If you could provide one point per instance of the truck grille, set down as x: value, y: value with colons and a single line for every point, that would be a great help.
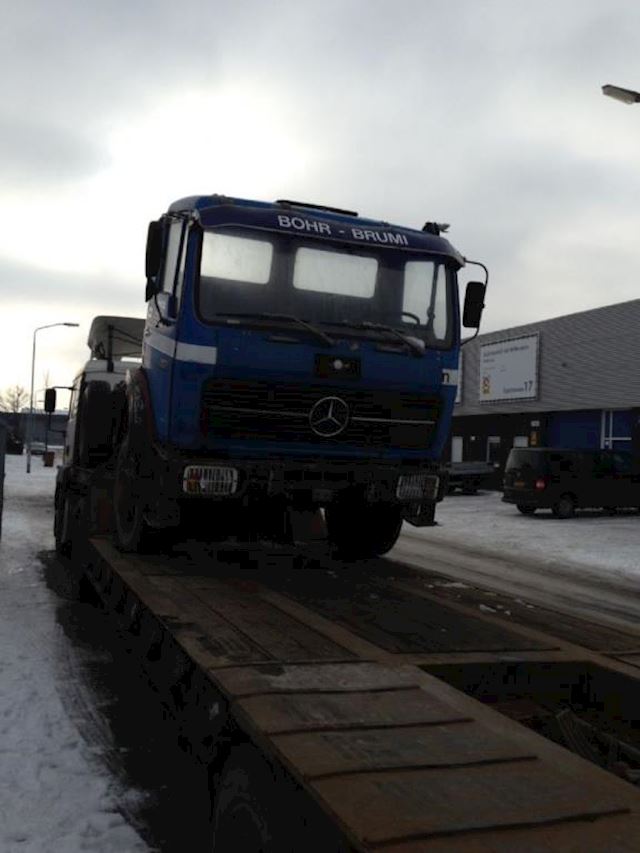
x: 260, y: 410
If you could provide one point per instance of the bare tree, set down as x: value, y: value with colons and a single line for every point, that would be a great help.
x: 13, y: 399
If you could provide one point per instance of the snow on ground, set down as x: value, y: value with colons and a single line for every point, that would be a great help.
x: 55, y: 797
x: 590, y: 542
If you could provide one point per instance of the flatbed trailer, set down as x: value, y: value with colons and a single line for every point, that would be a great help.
x: 352, y: 686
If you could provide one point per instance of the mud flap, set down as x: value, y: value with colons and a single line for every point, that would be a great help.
x: 420, y: 515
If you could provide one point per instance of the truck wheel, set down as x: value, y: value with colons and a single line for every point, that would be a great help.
x: 525, y: 509
x: 358, y: 531
x: 69, y: 581
x: 61, y: 524
x: 132, y: 533
x: 565, y: 507
x: 251, y: 811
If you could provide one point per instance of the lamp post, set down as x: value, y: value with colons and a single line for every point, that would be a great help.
x: 626, y: 96
x: 33, y: 369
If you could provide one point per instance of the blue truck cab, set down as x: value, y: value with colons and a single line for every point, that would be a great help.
x: 296, y: 358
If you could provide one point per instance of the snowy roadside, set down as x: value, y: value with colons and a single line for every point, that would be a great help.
x: 591, y: 542
x: 55, y: 797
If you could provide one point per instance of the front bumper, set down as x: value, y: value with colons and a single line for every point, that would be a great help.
x: 320, y: 481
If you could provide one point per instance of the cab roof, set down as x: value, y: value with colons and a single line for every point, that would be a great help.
x: 116, y: 337
x: 315, y: 221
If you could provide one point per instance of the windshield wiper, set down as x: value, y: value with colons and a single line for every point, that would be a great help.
x: 415, y: 344
x: 288, y: 318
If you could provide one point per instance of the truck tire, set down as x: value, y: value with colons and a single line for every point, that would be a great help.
x: 251, y: 812
x: 359, y: 531
x: 69, y: 581
x: 565, y: 506
x: 131, y: 531
x: 61, y: 524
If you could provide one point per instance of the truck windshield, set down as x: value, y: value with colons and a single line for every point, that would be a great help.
x: 244, y: 272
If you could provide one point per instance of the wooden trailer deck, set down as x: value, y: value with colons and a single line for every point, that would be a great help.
x: 329, y: 670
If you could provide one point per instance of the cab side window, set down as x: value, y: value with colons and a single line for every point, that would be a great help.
x: 171, y: 265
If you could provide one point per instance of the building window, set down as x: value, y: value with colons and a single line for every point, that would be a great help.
x: 616, y: 429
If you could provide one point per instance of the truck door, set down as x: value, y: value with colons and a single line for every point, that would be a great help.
x: 70, y: 432
x: 159, y: 344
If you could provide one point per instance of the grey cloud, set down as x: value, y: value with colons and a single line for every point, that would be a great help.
x: 22, y: 284
x: 32, y: 152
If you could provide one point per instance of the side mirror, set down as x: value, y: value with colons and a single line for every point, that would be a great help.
x: 473, y: 304
x: 50, y: 400
x: 153, y: 257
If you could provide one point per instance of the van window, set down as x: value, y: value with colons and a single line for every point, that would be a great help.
x: 526, y: 460
x: 566, y: 463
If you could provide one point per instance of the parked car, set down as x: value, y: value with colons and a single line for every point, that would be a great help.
x: 471, y: 476
x: 38, y: 448
x: 565, y: 480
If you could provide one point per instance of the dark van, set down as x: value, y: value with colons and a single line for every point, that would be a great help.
x: 565, y: 480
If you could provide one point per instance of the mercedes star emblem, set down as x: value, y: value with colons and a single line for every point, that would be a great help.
x: 329, y: 416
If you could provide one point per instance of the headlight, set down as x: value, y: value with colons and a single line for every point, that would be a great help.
x: 214, y: 480
x: 417, y: 487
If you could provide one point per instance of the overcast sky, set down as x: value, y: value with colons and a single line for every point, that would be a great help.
x: 487, y: 115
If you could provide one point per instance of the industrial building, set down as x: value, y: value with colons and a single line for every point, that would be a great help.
x: 572, y: 381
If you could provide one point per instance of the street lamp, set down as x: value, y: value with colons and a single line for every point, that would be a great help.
x: 33, y: 368
x: 627, y: 96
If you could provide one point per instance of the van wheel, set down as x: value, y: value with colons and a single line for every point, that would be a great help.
x: 525, y: 509
x: 565, y: 507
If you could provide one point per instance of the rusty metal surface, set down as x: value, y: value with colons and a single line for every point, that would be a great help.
x: 400, y: 760
x: 319, y: 754
x: 423, y: 803
x: 612, y: 834
x: 298, y: 712
x: 276, y: 678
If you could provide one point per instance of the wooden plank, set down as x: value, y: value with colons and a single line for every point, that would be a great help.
x: 280, y: 635
x: 612, y: 833
x: 327, y: 677
x: 317, y: 754
x: 215, y: 640
x: 275, y: 714
x: 425, y: 803
x: 398, y: 621
x: 226, y: 649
